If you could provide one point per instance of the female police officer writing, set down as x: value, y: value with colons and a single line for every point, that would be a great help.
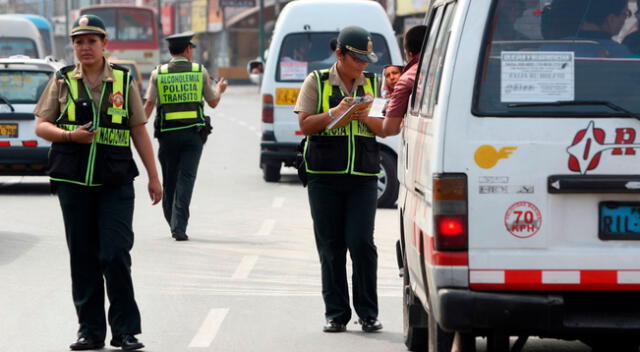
x: 342, y: 165
x: 90, y: 112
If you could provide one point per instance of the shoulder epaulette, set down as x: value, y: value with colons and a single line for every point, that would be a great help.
x: 119, y: 67
x: 63, y: 71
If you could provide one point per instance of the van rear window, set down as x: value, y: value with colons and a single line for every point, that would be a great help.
x: 565, y: 58
x: 302, y: 53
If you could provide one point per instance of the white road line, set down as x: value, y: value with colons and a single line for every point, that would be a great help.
x: 244, y: 268
x: 209, y: 328
x: 266, y: 228
x: 277, y: 202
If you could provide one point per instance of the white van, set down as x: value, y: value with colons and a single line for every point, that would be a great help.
x: 300, y: 45
x: 519, y: 202
x: 19, y: 36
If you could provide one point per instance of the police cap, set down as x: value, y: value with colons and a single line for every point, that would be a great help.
x: 180, y: 41
x: 88, y: 24
x: 358, y: 41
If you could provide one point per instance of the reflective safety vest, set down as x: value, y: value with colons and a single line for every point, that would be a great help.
x: 108, y: 159
x: 180, y: 87
x: 351, y: 149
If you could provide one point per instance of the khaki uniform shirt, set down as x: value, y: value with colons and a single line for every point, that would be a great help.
x: 308, y: 97
x: 208, y: 93
x: 54, y: 97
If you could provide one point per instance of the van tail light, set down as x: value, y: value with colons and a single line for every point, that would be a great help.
x: 29, y: 143
x: 5, y: 144
x: 267, y: 108
x: 450, y: 212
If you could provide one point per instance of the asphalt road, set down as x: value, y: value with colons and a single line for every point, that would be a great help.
x: 248, y: 280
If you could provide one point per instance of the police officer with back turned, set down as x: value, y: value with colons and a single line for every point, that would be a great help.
x: 342, y: 166
x: 179, y: 88
x: 91, y: 111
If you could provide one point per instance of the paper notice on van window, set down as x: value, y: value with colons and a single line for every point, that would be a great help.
x: 293, y: 70
x: 537, y: 77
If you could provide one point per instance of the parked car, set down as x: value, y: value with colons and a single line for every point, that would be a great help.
x: 519, y: 203
x: 300, y: 45
x: 22, y: 81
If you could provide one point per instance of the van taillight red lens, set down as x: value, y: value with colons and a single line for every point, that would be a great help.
x: 30, y: 143
x: 450, y: 212
x: 451, y: 232
x: 5, y: 144
x: 267, y: 108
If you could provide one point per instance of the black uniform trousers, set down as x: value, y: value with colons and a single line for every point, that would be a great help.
x: 179, y: 155
x: 98, y: 226
x: 343, y: 209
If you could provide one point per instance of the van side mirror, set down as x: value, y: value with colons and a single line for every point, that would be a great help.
x: 255, y: 69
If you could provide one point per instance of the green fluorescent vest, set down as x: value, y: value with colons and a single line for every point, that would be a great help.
x: 108, y: 159
x: 180, y: 87
x: 351, y: 149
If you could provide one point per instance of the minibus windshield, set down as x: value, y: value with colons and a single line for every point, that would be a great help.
x: 537, y: 54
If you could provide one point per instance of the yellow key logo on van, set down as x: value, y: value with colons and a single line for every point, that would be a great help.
x: 487, y: 156
x: 287, y: 96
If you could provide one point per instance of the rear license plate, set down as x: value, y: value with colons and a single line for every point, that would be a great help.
x: 619, y: 221
x: 9, y: 130
x: 287, y: 96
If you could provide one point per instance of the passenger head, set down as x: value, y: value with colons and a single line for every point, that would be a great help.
x: 607, y: 15
x: 413, y: 41
x: 391, y: 75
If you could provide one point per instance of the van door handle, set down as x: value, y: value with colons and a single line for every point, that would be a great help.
x: 419, y: 191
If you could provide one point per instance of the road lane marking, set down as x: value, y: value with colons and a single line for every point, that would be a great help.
x: 266, y: 228
x: 278, y: 202
x: 244, y: 268
x: 209, y: 328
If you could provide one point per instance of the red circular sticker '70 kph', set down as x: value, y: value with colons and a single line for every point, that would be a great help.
x: 523, y: 219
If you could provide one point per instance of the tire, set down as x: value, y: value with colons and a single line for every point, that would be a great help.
x: 497, y: 342
x: 414, y: 318
x: 271, y: 172
x: 616, y: 343
x: 388, y: 184
x: 439, y: 340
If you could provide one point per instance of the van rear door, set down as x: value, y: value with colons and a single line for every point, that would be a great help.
x: 551, y: 149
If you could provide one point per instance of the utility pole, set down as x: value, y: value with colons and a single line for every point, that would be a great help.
x: 261, y: 31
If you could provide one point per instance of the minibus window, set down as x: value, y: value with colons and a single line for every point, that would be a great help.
x: 302, y: 53
x: 432, y: 83
x: 566, y: 51
x: 426, y: 58
x: 17, y: 46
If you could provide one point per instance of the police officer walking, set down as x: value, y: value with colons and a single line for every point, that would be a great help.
x: 179, y: 88
x: 342, y: 166
x: 91, y: 111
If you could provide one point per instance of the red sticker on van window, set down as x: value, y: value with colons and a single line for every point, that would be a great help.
x: 523, y: 219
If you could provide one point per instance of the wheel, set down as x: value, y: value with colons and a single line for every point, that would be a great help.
x: 439, y: 340
x: 497, y: 342
x: 271, y: 172
x: 464, y: 342
x: 414, y: 318
x: 616, y: 343
x: 387, y: 180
